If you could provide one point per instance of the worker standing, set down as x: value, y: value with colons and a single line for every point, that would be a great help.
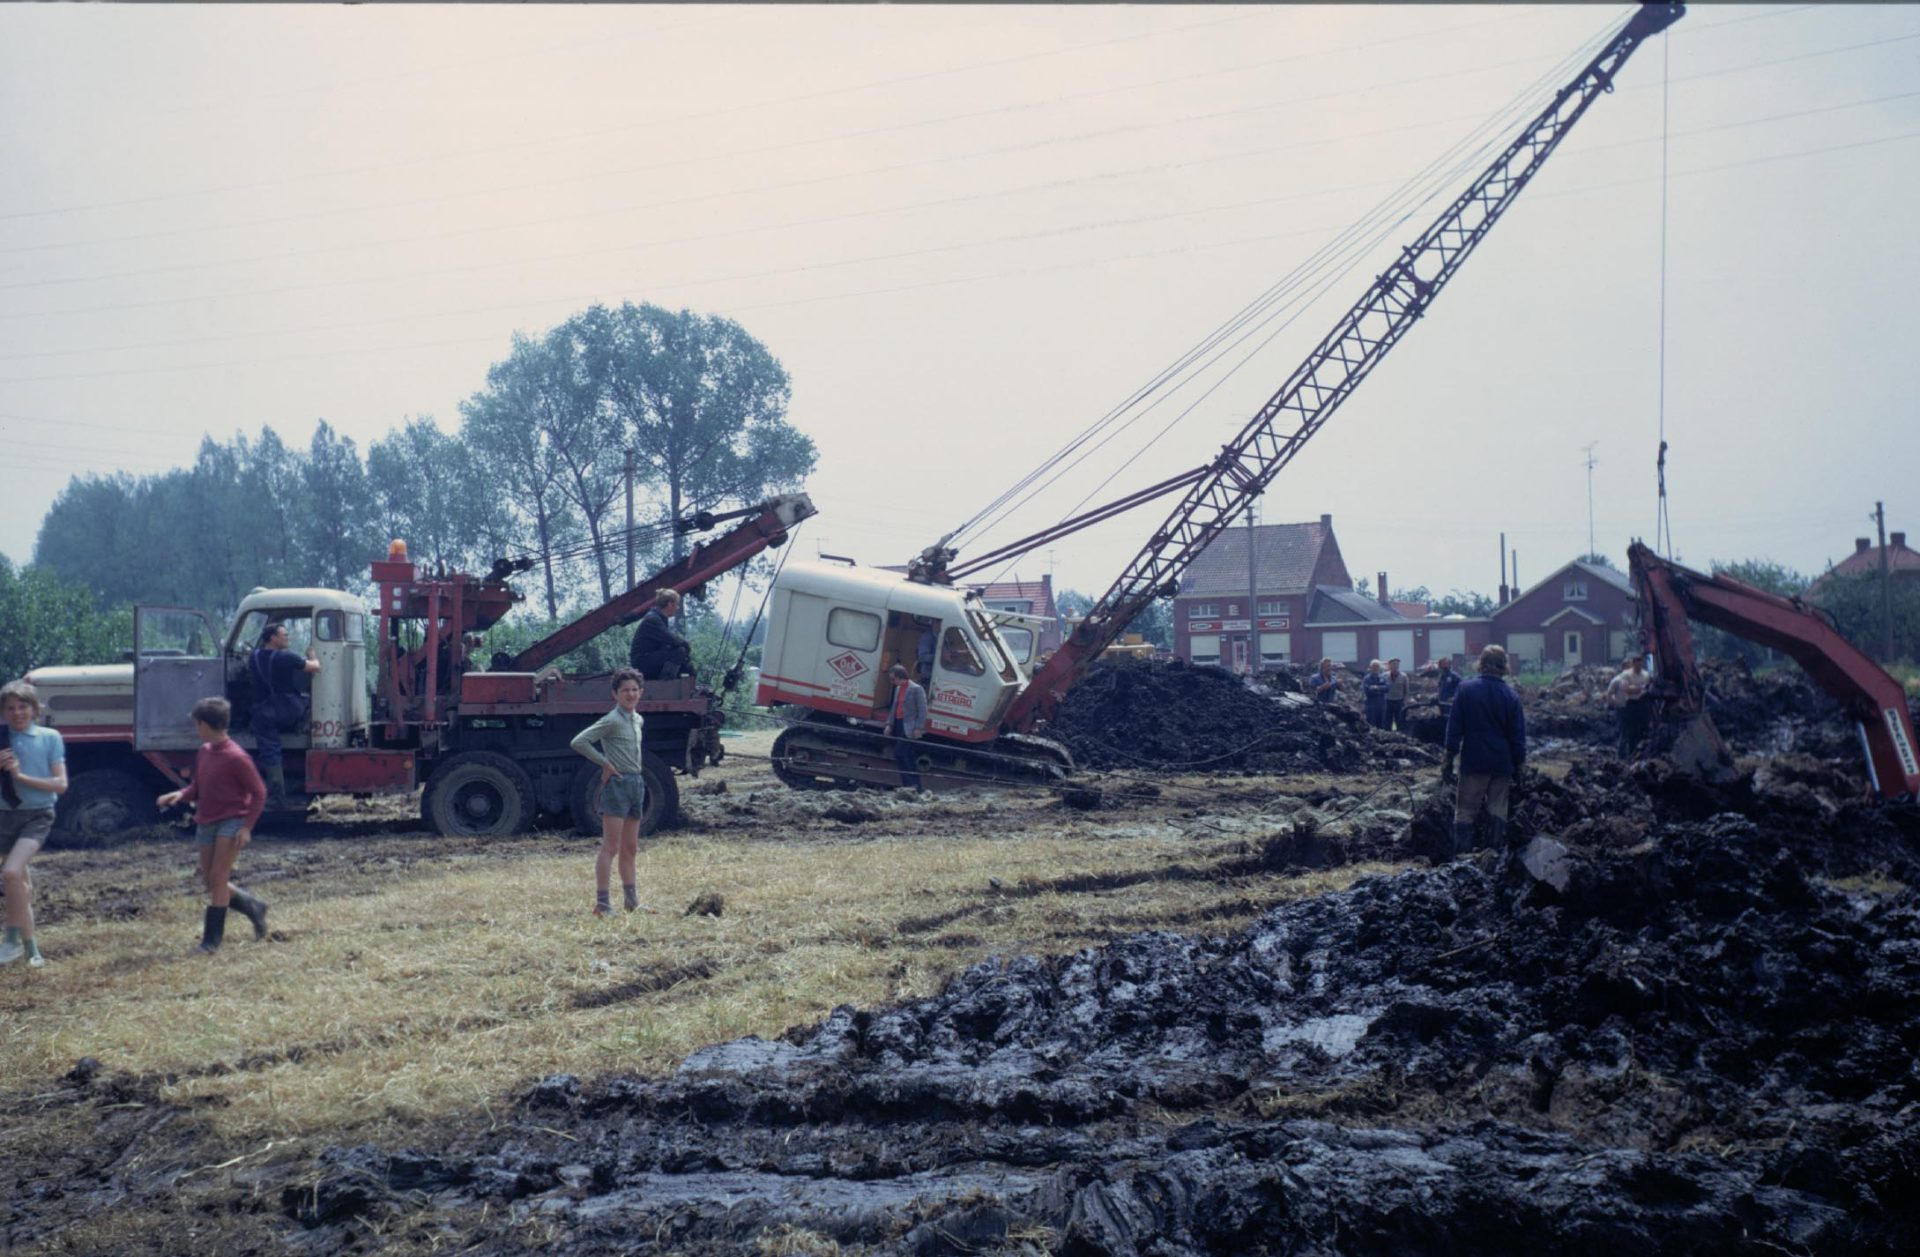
x: 1326, y: 686
x: 1399, y: 690
x: 1487, y: 730
x: 1448, y: 685
x: 1374, y: 687
x: 1629, y: 694
x: 278, y: 705
x: 659, y: 653
x: 906, y: 721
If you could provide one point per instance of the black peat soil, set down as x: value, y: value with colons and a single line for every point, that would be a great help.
x: 1703, y: 1043
x: 1179, y: 717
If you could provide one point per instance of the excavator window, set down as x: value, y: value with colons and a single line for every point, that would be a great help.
x: 957, y: 655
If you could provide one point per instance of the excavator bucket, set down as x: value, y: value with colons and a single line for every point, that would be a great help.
x: 1693, y: 744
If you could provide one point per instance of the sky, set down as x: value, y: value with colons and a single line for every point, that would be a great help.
x: 970, y: 232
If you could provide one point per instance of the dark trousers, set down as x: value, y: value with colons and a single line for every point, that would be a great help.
x: 1635, y: 716
x: 1395, y: 706
x: 905, y: 756
x: 1377, y: 712
x: 277, y: 715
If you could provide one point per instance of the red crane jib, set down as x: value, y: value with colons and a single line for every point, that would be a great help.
x: 1672, y: 596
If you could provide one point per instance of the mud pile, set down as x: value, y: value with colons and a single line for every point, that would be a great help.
x: 1204, y: 719
x: 1704, y: 1043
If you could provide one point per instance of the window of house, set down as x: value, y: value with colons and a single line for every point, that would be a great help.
x: 1340, y: 647
x: 856, y: 630
x: 1273, y: 606
x: 1275, y: 647
x: 1204, y: 648
x: 1202, y: 610
x: 1575, y: 591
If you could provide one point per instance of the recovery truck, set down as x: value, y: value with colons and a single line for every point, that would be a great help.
x: 833, y: 631
x: 1671, y: 597
x: 490, y: 746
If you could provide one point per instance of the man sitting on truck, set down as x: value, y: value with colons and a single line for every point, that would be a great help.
x: 659, y: 653
x: 278, y: 707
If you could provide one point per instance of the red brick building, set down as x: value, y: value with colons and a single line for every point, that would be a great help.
x: 1031, y: 597
x: 1581, y: 613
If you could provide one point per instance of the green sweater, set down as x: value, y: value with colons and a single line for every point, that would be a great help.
x: 618, y: 738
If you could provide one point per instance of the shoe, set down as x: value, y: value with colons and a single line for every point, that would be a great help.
x: 214, y: 930
x: 207, y: 949
x: 10, y: 952
x: 36, y: 961
x: 601, y: 913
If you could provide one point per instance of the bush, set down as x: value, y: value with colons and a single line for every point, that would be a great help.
x: 44, y: 622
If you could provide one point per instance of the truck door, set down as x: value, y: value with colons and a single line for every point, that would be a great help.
x: 176, y: 663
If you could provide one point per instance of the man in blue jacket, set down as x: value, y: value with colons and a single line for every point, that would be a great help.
x: 1488, y: 732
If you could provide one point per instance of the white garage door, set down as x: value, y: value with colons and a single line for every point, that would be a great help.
x: 1275, y: 647
x: 1340, y: 647
x: 1451, y: 641
x: 1397, y: 644
x: 1527, y: 647
x: 1204, y: 648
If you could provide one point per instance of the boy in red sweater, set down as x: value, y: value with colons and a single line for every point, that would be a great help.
x: 228, y: 796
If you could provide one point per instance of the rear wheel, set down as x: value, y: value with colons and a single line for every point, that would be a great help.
x: 479, y: 794
x: 663, y: 796
x: 100, y: 804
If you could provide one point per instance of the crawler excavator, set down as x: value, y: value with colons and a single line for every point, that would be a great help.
x: 1672, y: 597
x: 833, y: 631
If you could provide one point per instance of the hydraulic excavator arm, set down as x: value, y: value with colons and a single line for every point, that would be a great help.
x: 1672, y: 597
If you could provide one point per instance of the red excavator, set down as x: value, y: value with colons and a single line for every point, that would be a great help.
x: 1672, y: 597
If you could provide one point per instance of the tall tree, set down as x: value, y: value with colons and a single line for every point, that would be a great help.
x: 337, y: 524
x: 702, y: 401
x: 428, y: 488
x: 516, y: 450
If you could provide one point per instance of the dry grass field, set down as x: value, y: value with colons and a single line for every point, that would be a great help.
x: 410, y: 978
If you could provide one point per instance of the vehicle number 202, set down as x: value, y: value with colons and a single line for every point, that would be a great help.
x: 329, y: 728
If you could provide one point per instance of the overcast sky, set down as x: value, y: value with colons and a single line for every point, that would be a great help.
x: 969, y: 232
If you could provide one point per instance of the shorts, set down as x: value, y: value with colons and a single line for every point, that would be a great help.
x: 219, y: 829
x: 25, y: 824
x: 625, y: 797
x: 1478, y: 788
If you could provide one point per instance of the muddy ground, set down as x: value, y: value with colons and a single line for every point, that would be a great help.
x: 1672, y: 1018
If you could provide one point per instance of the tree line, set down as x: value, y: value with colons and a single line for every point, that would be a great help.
x: 537, y: 469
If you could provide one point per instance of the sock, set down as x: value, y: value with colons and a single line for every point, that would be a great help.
x: 631, y: 894
x: 600, y: 901
x: 12, y: 935
x: 33, y: 950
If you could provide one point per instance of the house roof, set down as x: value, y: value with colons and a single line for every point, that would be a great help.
x: 1284, y: 558
x: 1333, y: 605
x: 1037, y: 592
x: 1411, y: 610
x: 1606, y: 575
x: 1900, y: 558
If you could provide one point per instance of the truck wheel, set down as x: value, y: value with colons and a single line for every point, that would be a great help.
x: 663, y: 796
x: 100, y: 804
x: 478, y: 794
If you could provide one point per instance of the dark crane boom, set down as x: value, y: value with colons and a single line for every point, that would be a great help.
x: 1359, y: 340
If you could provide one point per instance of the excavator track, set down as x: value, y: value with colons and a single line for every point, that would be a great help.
x: 819, y: 755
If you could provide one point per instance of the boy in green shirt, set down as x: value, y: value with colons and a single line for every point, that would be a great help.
x: 613, y: 742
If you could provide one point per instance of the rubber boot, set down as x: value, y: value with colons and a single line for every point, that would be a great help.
x: 252, y: 907
x: 1497, y: 836
x: 275, y: 775
x: 214, y: 930
x: 1462, y: 839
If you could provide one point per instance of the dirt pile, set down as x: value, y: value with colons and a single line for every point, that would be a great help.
x: 1205, y: 719
x: 1703, y: 1043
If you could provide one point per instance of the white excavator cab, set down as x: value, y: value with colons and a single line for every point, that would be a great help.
x: 834, y: 631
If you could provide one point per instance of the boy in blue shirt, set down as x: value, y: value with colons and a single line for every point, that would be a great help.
x: 34, y: 766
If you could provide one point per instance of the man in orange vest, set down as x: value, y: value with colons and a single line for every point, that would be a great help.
x: 906, y: 721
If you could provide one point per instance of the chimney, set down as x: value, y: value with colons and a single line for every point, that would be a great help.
x: 1862, y: 544
x: 1503, y: 570
x: 1899, y: 540
x: 1383, y: 589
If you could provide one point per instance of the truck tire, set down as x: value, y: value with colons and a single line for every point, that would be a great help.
x: 478, y: 794
x: 663, y: 796
x: 99, y: 805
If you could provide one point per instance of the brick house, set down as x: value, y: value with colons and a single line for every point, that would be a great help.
x: 1222, y: 598
x: 1903, y: 562
x: 1031, y: 597
x: 1581, y: 613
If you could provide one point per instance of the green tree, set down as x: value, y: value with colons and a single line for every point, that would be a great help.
x: 1462, y: 602
x: 703, y: 403
x: 46, y: 621
x: 1854, y: 603
x: 1774, y: 578
x: 428, y: 489
x: 338, y: 531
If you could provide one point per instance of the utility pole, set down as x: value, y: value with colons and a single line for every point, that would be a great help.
x: 1253, y: 595
x: 630, y: 579
x: 1886, y: 586
x: 1591, y: 463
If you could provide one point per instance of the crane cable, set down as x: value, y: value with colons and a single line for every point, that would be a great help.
x: 1295, y: 291
x: 1663, y: 524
